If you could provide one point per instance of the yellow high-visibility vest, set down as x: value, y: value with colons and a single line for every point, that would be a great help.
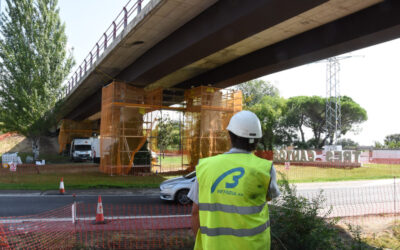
x: 233, y: 205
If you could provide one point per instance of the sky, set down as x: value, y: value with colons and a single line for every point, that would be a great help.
x: 371, y: 78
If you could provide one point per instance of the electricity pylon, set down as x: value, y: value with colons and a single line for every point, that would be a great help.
x: 333, y: 106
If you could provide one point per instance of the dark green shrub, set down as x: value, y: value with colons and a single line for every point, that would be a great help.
x: 296, y: 222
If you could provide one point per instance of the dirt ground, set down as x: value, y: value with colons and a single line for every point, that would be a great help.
x: 380, y: 231
x: 371, y: 224
x: 19, y: 143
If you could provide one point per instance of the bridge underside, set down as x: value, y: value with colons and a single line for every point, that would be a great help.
x: 233, y: 41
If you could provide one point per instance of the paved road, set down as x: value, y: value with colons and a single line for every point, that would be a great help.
x: 352, y: 198
x: 346, y: 198
x: 31, y: 203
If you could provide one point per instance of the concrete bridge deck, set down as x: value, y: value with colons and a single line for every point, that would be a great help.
x: 179, y: 44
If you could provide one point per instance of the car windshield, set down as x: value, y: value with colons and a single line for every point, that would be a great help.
x: 190, y: 175
x: 83, y: 147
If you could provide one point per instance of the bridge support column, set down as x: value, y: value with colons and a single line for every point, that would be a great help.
x: 126, y: 122
x: 208, y: 113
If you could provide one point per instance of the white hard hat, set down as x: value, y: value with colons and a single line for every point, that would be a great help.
x: 245, y: 124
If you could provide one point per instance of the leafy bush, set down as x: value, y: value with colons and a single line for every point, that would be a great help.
x: 297, y: 224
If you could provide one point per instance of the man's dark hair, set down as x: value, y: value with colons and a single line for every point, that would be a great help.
x: 242, y: 143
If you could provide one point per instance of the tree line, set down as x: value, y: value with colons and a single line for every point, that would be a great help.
x: 391, y: 141
x: 285, y: 121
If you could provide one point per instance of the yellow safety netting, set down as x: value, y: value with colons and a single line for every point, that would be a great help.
x: 208, y: 111
x: 75, y: 129
x: 128, y: 119
x: 126, y: 122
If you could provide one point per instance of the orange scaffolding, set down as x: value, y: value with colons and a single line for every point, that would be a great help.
x: 73, y: 129
x: 128, y: 119
x: 126, y: 122
x: 208, y: 111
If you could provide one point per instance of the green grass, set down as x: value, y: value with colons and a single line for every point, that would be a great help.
x: 76, y: 181
x: 316, y: 174
x: 172, y: 160
x: 76, y: 177
x: 88, y: 176
x: 171, y: 163
x: 50, y: 158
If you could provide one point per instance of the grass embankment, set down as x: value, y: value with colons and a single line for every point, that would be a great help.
x: 317, y: 174
x: 87, y: 176
x: 76, y: 176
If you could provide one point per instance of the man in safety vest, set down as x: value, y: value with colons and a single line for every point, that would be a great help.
x: 230, y: 194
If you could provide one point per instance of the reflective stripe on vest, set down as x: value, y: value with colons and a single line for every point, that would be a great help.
x: 230, y: 208
x: 234, y: 232
x: 232, y: 202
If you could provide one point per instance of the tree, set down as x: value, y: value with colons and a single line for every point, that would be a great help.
x: 378, y: 145
x: 309, y: 111
x: 296, y: 115
x: 352, y: 114
x: 168, y: 133
x: 393, y: 145
x: 271, y: 111
x: 393, y: 138
x: 263, y: 99
x: 315, y: 119
x: 33, y: 66
x: 391, y: 141
x: 253, y: 91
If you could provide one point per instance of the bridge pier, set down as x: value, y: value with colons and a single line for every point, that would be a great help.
x: 208, y: 112
x: 129, y: 116
x: 126, y: 123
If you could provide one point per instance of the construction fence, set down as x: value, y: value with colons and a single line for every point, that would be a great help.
x: 167, y: 226
x: 125, y: 227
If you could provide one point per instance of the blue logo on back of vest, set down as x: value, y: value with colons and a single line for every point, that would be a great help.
x: 235, y: 178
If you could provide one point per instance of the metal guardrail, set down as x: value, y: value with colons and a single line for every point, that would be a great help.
x: 117, y: 26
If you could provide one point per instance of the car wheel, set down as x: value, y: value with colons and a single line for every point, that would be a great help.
x: 182, y: 198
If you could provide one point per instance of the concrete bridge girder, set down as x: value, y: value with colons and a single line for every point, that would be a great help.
x: 228, y: 42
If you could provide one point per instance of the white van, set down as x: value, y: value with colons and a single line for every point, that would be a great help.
x: 81, y: 149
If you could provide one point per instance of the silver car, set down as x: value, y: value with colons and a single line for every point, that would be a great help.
x: 177, y: 188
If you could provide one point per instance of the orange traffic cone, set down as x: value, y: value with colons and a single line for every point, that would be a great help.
x: 99, y: 214
x: 3, y: 239
x: 62, y: 190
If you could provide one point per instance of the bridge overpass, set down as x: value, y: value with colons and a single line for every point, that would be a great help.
x: 183, y: 43
x: 156, y: 49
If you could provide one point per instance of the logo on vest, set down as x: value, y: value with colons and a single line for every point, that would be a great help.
x: 238, y: 173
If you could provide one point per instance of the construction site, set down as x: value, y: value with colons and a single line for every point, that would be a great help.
x: 131, y: 130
